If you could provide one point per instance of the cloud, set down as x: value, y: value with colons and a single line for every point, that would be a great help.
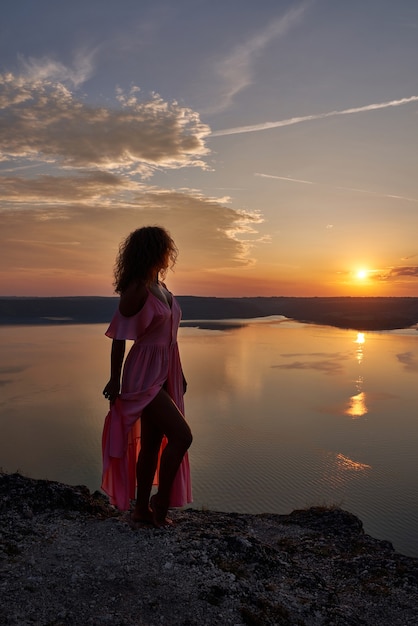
x: 236, y: 70
x: 218, y: 234
x: 61, y: 230
x: 89, y: 187
x: 47, y: 69
x: 309, y: 118
x: 42, y: 120
x: 66, y: 243
x: 393, y: 273
x: 404, y: 271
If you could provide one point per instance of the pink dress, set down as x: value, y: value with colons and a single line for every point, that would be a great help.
x: 152, y: 361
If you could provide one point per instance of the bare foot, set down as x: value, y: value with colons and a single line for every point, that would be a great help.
x: 141, y: 519
x: 159, y: 513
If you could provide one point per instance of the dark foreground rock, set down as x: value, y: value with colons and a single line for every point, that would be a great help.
x: 68, y: 558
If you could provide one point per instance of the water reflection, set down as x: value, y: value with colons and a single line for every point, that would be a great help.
x: 409, y: 360
x: 344, y: 463
x: 342, y: 473
x: 357, y: 403
x: 265, y: 403
x: 360, y: 341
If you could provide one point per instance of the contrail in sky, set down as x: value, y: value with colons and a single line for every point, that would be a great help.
x: 308, y: 118
x: 311, y: 182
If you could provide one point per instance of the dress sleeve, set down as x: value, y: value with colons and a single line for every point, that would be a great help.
x: 133, y: 327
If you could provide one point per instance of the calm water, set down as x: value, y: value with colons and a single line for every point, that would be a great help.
x: 284, y: 416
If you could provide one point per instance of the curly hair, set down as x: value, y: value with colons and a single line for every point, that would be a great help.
x: 145, y: 251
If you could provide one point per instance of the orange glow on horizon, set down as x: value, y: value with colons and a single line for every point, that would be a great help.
x: 244, y: 282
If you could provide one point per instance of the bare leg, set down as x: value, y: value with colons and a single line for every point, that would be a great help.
x: 163, y: 417
x: 146, y: 466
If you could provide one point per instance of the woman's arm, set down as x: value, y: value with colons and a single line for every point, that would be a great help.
x: 111, y: 391
x: 133, y: 299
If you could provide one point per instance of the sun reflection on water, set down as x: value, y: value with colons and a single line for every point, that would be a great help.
x: 345, y: 463
x: 356, y: 406
x: 360, y: 341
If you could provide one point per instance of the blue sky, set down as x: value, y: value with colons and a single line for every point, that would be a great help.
x: 275, y: 140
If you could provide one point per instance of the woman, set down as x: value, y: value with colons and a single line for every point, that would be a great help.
x: 145, y: 436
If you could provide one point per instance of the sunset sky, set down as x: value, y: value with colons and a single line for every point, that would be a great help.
x: 276, y: 140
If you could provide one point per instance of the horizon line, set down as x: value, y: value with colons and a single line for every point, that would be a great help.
x: 189, y: 295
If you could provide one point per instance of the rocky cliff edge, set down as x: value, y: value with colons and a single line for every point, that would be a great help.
x: 69, y: 559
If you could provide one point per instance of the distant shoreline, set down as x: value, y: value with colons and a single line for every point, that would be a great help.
x: 383, y: 313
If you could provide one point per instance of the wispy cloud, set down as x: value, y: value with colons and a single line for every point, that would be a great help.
x: 46, y: 68
x: 286, y: 178
x: 236, y: 70
x: 309, y: 118
x: 355, y: 189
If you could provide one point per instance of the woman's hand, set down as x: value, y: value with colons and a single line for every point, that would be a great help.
x: 111, y: 391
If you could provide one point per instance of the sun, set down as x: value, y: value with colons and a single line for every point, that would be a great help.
x: 362, y: 274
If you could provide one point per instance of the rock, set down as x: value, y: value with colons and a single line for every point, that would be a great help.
x: 68, y: 558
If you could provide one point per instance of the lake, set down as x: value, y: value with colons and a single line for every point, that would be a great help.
x: 284, y: 415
